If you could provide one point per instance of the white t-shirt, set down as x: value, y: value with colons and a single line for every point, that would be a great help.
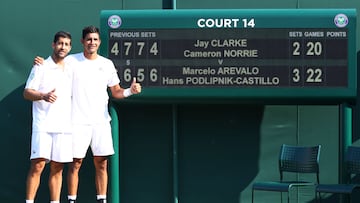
x: 90, y: 83
x: 51, y: 117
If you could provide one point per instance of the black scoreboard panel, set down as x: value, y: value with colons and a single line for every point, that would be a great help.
x: 287, y: 53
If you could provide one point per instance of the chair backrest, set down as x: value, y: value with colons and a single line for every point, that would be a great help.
x: 352, y: 161
x: 299, y: 159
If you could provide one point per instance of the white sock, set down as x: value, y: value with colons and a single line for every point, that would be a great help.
x: 71, y: 197
x: 100, y: 197
x: 54, y: 201
x: 29, y: 201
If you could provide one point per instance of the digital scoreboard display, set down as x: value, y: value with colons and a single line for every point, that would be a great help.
x: 239, y: 54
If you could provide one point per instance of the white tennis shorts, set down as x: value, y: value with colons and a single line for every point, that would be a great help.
x: 52, y: 146
x: 97, y: 136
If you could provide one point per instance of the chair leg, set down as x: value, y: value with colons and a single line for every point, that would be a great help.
x: 349, y: 198
x: 318, y: 197
x: 252, y: 196
x: 288, y: 197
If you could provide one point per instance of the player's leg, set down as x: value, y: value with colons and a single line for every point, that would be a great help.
x: 33, y: 177
x: 61, y: 154
x: 81, y: 142
x: 55, y: 180
x: 40, y: 154
x: 101, y: 176
x: 102, y: 147
x: 73, y: 179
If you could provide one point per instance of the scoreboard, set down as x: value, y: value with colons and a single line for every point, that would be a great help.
x: 234, y: 53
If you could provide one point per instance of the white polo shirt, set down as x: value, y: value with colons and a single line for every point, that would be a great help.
x: 91, y: 81
x: 51, y: 117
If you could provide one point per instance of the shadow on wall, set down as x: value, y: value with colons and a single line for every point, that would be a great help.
x: 15, y: 125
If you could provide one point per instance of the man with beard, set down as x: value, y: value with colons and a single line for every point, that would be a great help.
x: 49, y: 87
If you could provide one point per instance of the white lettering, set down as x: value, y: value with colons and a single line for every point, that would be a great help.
x: 218, y: 23
x: 335, y: 34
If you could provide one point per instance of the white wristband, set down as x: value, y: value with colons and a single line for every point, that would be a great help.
x: 127, y: 92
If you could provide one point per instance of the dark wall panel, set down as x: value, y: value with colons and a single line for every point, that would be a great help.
x: 145, y: 148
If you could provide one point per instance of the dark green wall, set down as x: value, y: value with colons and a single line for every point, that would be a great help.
x: 221, y: 148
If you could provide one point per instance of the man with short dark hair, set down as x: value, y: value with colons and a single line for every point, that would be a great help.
x: 49, y: 87
x: 93, y: 74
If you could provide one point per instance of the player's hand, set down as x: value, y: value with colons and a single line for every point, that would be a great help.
x: 135, y: 87
x: 50, y: 96
x: 38, y: 60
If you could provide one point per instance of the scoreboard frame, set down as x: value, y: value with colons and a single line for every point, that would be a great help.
x: 246, y: 32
